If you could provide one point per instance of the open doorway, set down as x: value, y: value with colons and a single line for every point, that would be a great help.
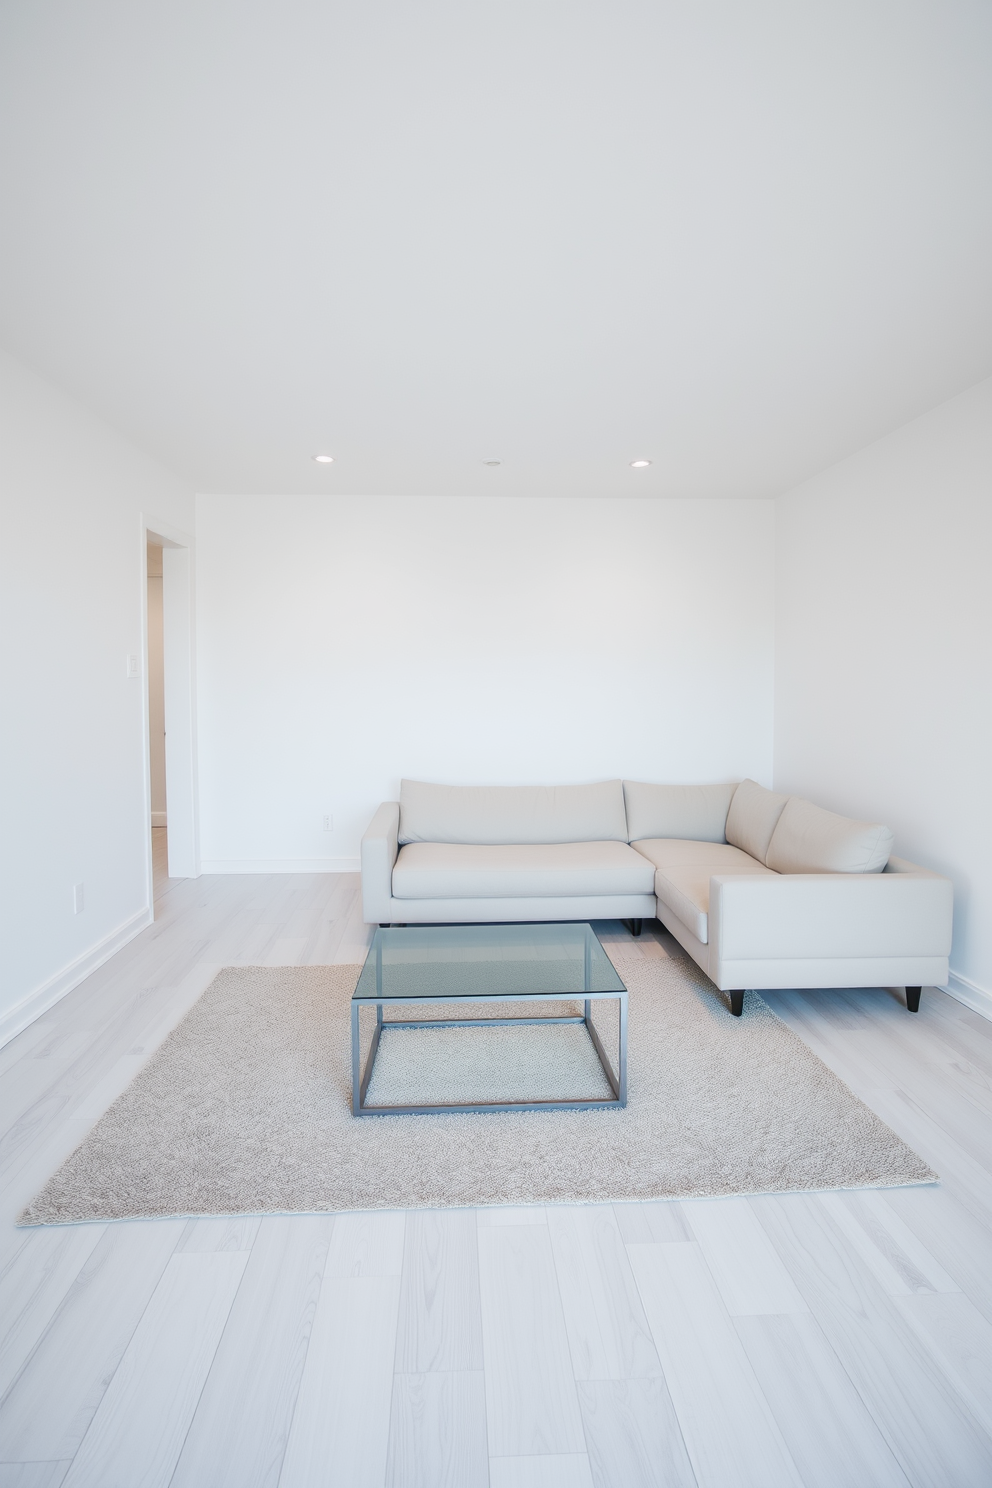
x: 156, y: 724
x: 173, y: 836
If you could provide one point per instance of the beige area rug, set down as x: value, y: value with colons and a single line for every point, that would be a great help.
x: 245, y: 1110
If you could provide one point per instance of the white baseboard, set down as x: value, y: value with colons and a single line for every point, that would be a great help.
x: 281, y: 865
x: 49, y: 993
x: 979, y: 999
x: 159, y: 819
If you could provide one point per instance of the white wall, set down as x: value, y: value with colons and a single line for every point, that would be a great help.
x: 73, y: 765
x: 345, y: 642
x: 884, y: 652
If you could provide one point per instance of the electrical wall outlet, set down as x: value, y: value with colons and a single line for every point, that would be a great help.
x: 77, y: 898
x: 328, y: 824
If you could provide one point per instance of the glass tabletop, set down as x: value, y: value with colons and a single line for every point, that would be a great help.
x: 451, y: 961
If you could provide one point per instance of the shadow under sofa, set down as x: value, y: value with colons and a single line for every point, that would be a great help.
x: 763, y: 890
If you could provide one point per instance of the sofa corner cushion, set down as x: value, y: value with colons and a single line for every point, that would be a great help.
x: 695, y: 813
x: 808, y: 839
x: 451, y: 870
x: 753, y: 817
x: 497, y: 815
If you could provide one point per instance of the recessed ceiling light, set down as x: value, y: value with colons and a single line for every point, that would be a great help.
x: 324, y: 459
x: 640, y: 464
x: 491, y: 462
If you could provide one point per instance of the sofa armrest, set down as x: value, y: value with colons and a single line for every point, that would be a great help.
x: 830, y: 915
x: 379, y: 849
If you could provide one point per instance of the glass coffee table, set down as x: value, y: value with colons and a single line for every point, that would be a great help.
x: 419, y: 965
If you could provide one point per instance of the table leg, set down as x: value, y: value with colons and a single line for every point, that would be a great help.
x: 356, y: 1065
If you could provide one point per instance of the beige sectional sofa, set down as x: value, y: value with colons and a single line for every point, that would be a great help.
x: 762, y: 889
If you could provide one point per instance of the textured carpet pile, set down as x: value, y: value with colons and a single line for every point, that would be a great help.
x: 245, y: 1109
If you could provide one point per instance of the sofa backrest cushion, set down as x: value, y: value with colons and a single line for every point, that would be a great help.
x: 690, y: 813
x: 482, y: 815
x: 753, y: 817
x: 808, y: 839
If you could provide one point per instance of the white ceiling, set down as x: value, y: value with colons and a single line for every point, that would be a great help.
x: 739, y: 239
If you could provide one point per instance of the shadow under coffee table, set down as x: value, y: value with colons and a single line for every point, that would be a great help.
x: 459, y: 964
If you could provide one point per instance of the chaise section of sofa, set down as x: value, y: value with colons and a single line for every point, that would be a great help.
x: 781, y: 893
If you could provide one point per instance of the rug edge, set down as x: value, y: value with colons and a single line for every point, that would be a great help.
x: 23, y: 1222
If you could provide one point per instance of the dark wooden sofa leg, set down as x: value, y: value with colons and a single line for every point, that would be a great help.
x: 634, y: 926
x: 737, y: 1003
x: 913, y: 998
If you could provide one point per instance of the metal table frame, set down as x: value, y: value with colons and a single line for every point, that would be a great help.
x: 360, y: 1079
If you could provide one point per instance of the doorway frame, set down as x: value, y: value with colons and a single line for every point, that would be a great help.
x: 179, y: 669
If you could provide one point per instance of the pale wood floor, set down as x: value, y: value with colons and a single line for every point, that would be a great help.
x: 828, y: 1340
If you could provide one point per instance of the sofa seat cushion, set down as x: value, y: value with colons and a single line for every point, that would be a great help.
x: 684, y: 870
x: 447, y: 870
x: 673, y: 852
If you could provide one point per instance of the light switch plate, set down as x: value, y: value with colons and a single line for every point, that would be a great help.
x: 133, y: 669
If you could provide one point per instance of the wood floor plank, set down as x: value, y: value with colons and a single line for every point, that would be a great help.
x: 943, y: 1048
x: 437, y: 1433
x: 32, y: 1474
x: 961, y: 1337
x: 644, y: 1222
x: 342, y: 1410
x: 746, y: 1267
x: 330, y: 927
x: 730, y: 1434
x: 285, y: 952
x: 367, y: 1244
x: 230, y: 1232
x: 531, y: 1401
x: 960, y: 1088
x: 141, y: 1423
x: 512, y: 1214
x: 241, y: 1427
x: 929, y: 1429
x: 633, y: 1435
x: 968, y: 1180
x: 951, y: 1232
x: 48, y: 1409
x: 608, y: 1334
x: 899, y: 1261
x: 33, y: 1286
x: 25, y: 1080
x: 46, y: 1152
x: 570, y: 1470
x: 440, y: 1321
x: 828, y: 1429
x: 22, y: 1047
